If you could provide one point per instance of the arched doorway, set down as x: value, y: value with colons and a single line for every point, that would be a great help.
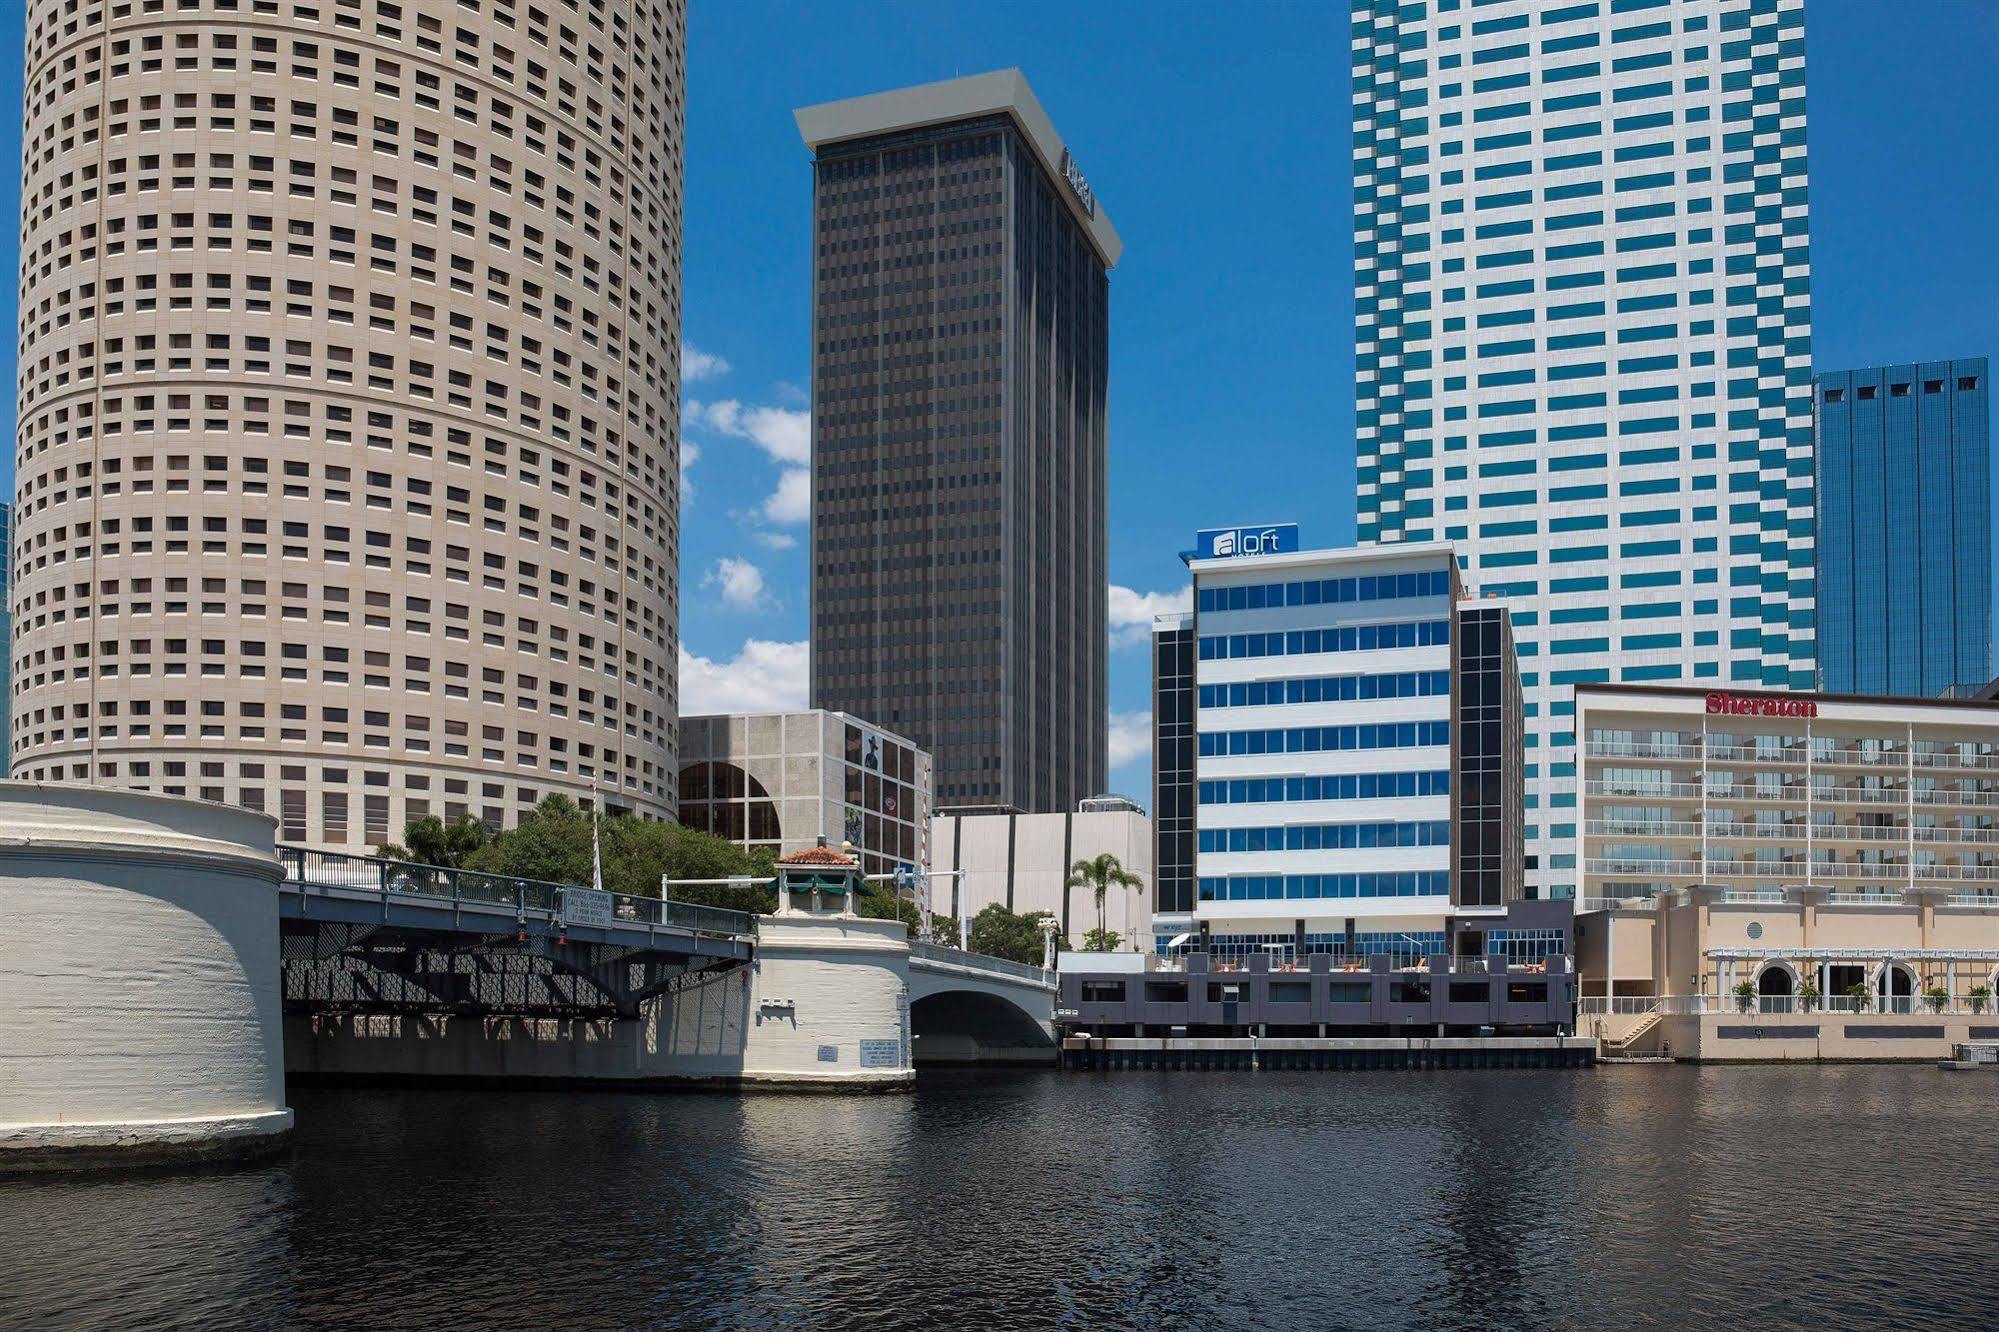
x: 1776, y: 987
x: 1895, y: 988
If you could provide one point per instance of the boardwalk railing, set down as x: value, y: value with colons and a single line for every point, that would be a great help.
x: 1001, y: 966
x: 374, y: 874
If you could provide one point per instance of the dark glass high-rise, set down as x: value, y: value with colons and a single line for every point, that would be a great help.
x: 960, y: 359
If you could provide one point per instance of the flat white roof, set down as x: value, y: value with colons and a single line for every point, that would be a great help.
x: 1001, y: 91
x: 1298, y: 559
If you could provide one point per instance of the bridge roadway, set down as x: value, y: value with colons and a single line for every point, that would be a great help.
x: 367, y: 935
x: 361, y: 934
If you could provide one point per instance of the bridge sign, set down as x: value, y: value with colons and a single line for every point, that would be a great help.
x: 881, y: 1054
x: 586, y: 906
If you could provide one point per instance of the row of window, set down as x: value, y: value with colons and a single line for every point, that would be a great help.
x: 1327, y: 689
x: 1344, y: 786
x: 1291, y: 887
x: 1322, y: 739
x: 1352, y: 638
x: 1325, y: 591
x: 1367, y: 943
x: 1329, y: 836
x: 1868, y: 392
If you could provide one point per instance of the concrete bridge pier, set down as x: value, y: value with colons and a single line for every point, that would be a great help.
x: 138, y: 979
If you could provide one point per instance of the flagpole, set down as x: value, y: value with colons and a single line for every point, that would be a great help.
x: 596, y: 851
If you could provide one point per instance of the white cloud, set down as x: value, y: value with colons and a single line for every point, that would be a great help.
x: 785, y: 435
x: 690, y: 453
x: 791, y: 502
x: 762, y: 677
x: 1130, y: 737
x: 1130, y: 613
x: 741, y: 583
x: 696, y: 364
x: 777, y: 540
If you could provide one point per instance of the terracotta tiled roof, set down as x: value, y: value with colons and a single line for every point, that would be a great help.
x: 818, y: 855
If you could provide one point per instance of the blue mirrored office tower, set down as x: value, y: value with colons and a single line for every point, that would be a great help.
x: 1904, y: 528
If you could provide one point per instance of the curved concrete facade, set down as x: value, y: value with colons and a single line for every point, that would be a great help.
x: 139, y: 976
x: 348, y: 428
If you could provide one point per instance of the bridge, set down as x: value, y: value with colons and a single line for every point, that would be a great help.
x: 970, y: 1008
x: 361, y: 934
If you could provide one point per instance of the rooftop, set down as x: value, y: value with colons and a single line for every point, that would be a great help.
x: 1001, y: 91
x: 818, y: 855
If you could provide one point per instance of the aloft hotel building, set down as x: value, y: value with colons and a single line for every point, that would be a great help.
x: 1355, y: 787
x: 1582, y: 281
x: 348, y: 406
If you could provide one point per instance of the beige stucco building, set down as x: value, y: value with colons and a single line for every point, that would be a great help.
x: 347, y: 455
x: 1839, y: 856
x: 1022, y: 861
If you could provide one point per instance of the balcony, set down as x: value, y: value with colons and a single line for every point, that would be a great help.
x: 1794, y: 754
x: 1728, y: 1005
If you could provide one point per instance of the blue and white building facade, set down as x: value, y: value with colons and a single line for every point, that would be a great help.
x: 1582, y: 282
x: 1324, y: 696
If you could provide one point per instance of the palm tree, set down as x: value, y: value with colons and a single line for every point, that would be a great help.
x: 430, y: 841
x: 1098, y: 874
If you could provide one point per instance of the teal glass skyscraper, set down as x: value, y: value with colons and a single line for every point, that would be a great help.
x: 1582, y: 284
x: 1905, y: 528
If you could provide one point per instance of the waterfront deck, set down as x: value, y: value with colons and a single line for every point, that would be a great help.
x: 1332, y: 1053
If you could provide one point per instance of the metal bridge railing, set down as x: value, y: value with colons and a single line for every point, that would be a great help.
x: 958, y: 957
x: 335, y: 869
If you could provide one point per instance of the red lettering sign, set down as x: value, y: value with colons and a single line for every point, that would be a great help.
x: 1761, y: 705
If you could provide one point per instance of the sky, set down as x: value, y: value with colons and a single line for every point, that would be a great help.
x: 1217, y: 139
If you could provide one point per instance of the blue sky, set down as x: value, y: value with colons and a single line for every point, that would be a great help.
x: 1217, y: 139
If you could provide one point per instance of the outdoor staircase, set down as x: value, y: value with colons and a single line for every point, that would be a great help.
x: 1625, y: 1046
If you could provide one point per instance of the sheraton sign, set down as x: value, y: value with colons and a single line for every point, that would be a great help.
x: 1761, y: 705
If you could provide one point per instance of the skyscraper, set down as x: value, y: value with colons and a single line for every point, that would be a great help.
x: 348, y: 407
x: 6, y: 624
x: 1583, y: 343
x: 960, y: 352
x: 1905, y: 528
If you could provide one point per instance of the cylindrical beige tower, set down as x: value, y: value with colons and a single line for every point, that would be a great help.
x: 139, y: 975
x: 348, y: 452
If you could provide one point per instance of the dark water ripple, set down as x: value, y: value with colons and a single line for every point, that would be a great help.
x: 1667, y: 1197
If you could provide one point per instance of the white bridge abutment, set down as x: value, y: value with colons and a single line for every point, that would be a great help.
x: 139, y: 979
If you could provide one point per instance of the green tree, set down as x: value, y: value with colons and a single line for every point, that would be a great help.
x: 553, y: 843
x: 1099, y: 874
x: 890, y: 905
x: 1102, y: 941
x: 997, y: 932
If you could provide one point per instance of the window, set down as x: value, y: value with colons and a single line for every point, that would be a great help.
x: 1103, y: 992
x: 1966, y: 383
x: 1898, y: 390
x: 1867, y: 393
x: 1835, y: 395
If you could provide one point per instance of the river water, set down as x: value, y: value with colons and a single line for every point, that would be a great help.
x: 1669, y: 1196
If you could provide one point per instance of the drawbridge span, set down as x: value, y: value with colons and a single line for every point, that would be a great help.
x: 364, y: 935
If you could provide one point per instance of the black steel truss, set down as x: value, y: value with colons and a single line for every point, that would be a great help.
x: 336, y: 967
